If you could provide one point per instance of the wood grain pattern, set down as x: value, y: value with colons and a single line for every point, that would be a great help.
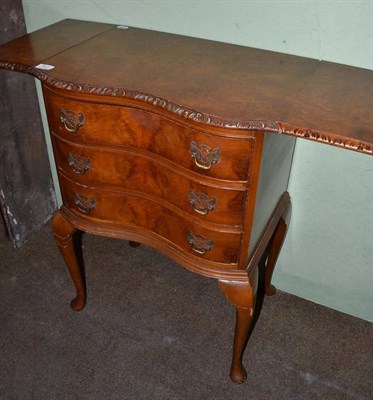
x: 208, y: 82
x: 158, y: 139
x: 140, y: 129
x: 132, y: 209
x: 37, y: 47
x: 125, y: 169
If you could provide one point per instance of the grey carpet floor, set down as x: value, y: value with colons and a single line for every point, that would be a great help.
x: 152, y: 330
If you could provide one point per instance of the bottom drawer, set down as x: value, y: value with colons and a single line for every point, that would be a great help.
x: 133, y: 210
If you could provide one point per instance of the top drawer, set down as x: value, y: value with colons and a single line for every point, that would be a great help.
x: 205, y: 153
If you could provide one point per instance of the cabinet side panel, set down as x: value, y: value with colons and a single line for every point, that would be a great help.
x: 273, y: 180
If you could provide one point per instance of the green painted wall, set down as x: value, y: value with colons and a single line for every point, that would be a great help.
x: 328, y: 254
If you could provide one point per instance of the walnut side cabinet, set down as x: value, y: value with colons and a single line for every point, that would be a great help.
x: 185, y: 145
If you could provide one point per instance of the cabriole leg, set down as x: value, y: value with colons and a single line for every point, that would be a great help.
x: 274, y: 251
x: 63, y: 232
x: 242, y: 295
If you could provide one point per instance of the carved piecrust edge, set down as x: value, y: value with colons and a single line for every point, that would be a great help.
x: 323, y: 137
x: 198, y: 117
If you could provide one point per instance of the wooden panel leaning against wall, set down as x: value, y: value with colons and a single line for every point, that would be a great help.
x: 27, y: 197
x: 3, y: 232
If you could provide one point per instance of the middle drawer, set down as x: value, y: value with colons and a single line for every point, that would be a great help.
x: 133, y: 170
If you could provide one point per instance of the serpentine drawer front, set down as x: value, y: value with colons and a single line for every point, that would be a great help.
x: 185, y: 145
x: 207, y: 153
x: 167, y: 223
x: 126, y: 169
x: 112, y: 171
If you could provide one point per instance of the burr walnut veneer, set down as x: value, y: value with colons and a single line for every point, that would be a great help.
x: 185, y: 145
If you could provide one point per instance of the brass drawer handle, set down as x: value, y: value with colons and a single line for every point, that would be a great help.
x: 71, y: 120
x: 79, y: 164
x: 201, y: 203
x: 204, y: 156
x: 85, y: 204
x: 199, y: 243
